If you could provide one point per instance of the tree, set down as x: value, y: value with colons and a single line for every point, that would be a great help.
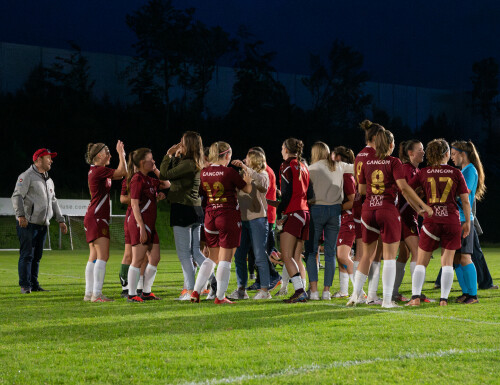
x: 485, y: 89
x: 162, y: 35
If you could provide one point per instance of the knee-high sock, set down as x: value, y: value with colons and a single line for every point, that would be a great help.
x: 388, y: 277
x: 461, y: 279
x: 470, y: 276
x: 418, y: 280
x: 354, y: 266
x: 304, y: 283
x: 373, y: 279
x: 223, y: 274
x: 99, y: 273
x: 359, y: 281
x: 344, y: 282
x: 149, y: 277
x: 133, y: 279
x: 400, y: 274
x: 298, y: 283
x: 89, y: 278
x: 206, y: 270
x: 412, y: 267
x: 124, y: 275
x: 446, y: 281
x: 140, y: 284
x: 285, y: 277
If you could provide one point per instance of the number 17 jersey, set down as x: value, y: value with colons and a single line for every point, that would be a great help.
x: 219, y: 185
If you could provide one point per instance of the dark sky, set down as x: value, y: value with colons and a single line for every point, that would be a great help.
x: 423, y: 43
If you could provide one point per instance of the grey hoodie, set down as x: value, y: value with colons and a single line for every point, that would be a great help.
x: 34, y: 198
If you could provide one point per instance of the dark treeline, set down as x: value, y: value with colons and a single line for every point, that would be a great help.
x: 56, y: 107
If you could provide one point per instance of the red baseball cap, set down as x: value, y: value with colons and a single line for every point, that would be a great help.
x: 43, y: 152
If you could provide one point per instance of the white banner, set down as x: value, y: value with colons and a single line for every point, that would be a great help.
x: 71, y: 207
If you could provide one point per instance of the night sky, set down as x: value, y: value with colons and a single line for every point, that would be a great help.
x: 422, y: 43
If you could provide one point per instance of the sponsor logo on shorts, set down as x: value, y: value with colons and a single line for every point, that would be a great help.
x: 376, y: 200
x: 441, y: 211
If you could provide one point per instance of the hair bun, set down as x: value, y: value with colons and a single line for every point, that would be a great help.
x: 366, y: 124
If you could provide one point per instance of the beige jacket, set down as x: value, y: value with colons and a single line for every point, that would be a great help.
x: 254, y: 205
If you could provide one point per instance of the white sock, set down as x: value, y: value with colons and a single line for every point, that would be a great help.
x: 373, y: 279
x: 140, y: 284
x: 412, y: 268
x: 400, y: 274
x: 297, y: 283
x: 304, y: 283
x: 355, y: 266
x: 359, y: 282
x: 388, y: 277
x: 206, y: 270
x: 223, y: 274
x: 149, y: 277
x: 446, y: 281
x: 89, y: 278
x: 351, y: 277
x: 133, y: 279
x: 99, y: 273
x: 344, y: 282
x: 419, y: 278
x: 285, y: 277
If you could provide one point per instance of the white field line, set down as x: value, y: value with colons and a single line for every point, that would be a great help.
x: 339, y: 364
x: 55, y: 275
x: 406, y: 313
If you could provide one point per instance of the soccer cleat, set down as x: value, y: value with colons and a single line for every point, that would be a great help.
x: 25, y: 290
x: 124, y: 293
x: 205, y: 292
x: 149, y: 297
x: 461, y: 299
x: 87, y: 297
x: 400, y: 298
x: 261, y: 294
x: 135, y: 298
x: 326, y: 296
x: 471, y: 300
x: 297, y: 297
x: 282, y: 292
x: 195, y: 297
x: 424, y: 299
x: 314, y: 296
x: 239, y: 294
x: 390, y: 305
x: 223, y: 301
x: 253, y: 287
x: 338, y: 294
x: 274, y: 283
x: 100, y: 298
x: 184, y: 297
x: 374, y: 301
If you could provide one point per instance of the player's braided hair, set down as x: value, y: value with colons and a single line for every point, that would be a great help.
x: 92, y: 150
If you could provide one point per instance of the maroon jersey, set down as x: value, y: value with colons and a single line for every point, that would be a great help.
x: 219, y: 186
x: 349, y: 189
x: 358, y: 163
x: 408, y: 215
x: 124, y: 192
x: 294, y: 175
x: 143, y: 188
x: 442, y: 184
x: 380, y: 177
x: 99, y: 186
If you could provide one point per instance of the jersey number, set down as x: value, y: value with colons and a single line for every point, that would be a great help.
x: 378, y: 186
x: 359, y: 166
x: 434, y: 198
x: 218, y: 187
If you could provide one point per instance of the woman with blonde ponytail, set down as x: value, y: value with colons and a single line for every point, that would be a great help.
x: 96, y: 221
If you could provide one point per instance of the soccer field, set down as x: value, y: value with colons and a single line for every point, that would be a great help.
x: 56, y: 338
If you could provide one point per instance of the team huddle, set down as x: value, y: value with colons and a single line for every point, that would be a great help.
x: 381, y: 206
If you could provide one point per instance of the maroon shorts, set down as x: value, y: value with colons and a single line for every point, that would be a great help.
x: 448, y: 234
x: 385, y: 223
x: 223, y: 228
x: 95, y: 228
x: 408, y: 230
x: 297, y: 224
x: 347, y: 234
x: 135, y: 232
x: 126, y: 232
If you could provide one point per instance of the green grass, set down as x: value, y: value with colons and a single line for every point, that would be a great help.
x: 56, y: 338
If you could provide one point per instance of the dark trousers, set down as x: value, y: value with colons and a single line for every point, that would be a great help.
x: 484, y: 280
x: 32, y: 241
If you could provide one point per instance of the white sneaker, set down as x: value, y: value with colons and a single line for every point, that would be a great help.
x: 374, y: 301
x: 389, y: 305
x: 282, y: 292
x: 338, y: 294
x: 238, y: 294
x: 88, y: 297
x: 326, y: 296
x: 184, y: 297
x: 314, y: 296
x: 261, y: 294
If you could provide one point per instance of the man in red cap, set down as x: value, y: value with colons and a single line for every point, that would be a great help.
x: 35, y: 203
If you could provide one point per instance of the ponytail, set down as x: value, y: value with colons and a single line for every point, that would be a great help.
x: 383, y: 141
x: 473, y: 156
x: 134, y: 159
x: 294, y: 147
x: 346, y: 154
x: 371, y: 129
x: 130, y: 169
x: 218, y: 150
